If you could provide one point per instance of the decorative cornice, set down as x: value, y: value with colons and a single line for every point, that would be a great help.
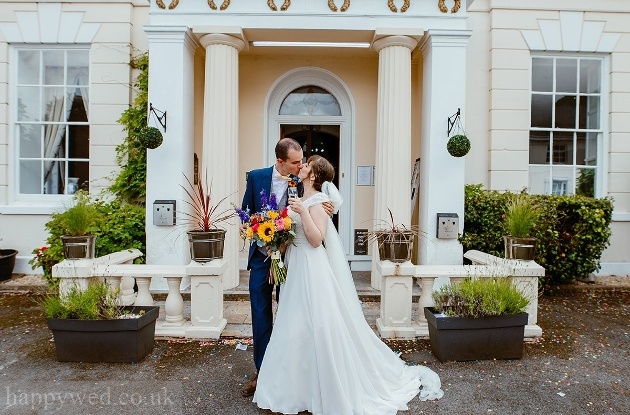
x: 224, y: 5
x: 333, y: 7
x: 392, y: 6
x: 171, y: 6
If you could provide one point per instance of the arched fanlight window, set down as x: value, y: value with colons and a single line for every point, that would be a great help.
x: 310, y: 100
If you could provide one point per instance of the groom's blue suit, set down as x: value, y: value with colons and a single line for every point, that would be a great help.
x: 260, y: 291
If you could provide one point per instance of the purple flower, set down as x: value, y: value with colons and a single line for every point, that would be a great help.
x: 263, y: 198
x: 243, y: 214
x: 273, y: 203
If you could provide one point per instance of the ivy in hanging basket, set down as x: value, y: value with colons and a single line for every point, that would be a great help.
x: 150, y: 137
x: 458, y: 145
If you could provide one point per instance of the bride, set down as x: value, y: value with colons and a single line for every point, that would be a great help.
x: 323, y: 357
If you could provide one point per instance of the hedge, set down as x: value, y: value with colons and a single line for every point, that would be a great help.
x: 572, y: 231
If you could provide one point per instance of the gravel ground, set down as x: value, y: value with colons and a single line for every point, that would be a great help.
x: 579, y: 366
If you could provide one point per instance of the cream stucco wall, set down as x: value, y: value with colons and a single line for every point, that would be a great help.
x: 119, y: 36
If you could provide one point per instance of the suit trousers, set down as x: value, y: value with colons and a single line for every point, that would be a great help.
x: 261, y: 299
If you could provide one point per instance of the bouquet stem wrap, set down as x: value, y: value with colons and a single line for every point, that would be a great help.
x: 278, y: 272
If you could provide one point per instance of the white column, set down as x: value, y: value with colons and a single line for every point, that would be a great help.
x: 441, y: 175
x: 393, y: 135
x: 220, y: 133
x: 396, y: 304
x: 171, y: 89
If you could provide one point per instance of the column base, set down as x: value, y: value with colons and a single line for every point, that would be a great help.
x: 163, y: 329
x: 201, y: 332
x: 394, y: 332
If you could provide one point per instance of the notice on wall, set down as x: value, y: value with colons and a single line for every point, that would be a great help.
x: 360, y: 241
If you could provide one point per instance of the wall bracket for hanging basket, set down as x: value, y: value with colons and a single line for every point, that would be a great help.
x: 452, y: 120
x: 160, y: 118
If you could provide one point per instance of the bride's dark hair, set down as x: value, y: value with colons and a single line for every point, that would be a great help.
x: 322, y: 169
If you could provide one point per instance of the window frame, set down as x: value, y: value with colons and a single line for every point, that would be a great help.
x: 23, y: 202
x: 602, y: 132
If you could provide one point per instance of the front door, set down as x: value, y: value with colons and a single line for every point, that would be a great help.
x: 320, y: 140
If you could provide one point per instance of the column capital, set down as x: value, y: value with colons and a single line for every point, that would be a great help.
x: 397, y: 40
x: 222, y: 39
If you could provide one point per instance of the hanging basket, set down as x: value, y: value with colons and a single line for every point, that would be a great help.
x: 150, y: 137
x: 458, y: 145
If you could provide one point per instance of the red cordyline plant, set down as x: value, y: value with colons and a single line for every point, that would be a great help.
x: 205, y: 215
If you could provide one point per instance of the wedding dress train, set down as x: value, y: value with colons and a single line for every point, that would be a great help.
x: 323, y: 356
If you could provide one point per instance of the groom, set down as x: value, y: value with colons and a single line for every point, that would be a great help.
x: 272, y: 179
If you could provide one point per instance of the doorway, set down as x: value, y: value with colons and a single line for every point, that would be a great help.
x: 322, y: 140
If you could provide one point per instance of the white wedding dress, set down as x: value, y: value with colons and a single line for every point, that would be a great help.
x: 323, y: 357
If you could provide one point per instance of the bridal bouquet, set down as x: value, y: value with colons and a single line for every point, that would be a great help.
x: 271, y: 228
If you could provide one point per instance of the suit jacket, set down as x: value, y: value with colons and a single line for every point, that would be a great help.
x: 257, y: 180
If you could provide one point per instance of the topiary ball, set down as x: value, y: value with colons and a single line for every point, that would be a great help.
x: 150, y: 137
x: 458, y: 145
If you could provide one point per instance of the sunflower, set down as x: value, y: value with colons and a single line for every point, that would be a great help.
x: 249, y: 232
x: 272, y: 214
x: 266, y: 231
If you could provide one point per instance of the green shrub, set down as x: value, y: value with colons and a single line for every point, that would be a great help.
x: 97, y: 302
x: 120, y: 226
x: 81, y: 218
x: 480, y: 297
x: 571, y: 231
x: 520, y: 216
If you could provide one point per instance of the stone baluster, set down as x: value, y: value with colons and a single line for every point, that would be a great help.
x: 426, y: 299
x: 127, y: 295
x: 174, y: 304
x: 144, y: 297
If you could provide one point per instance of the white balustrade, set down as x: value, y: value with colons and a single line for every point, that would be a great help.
x: 395, y: 321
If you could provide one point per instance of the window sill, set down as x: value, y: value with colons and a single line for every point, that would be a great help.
x: 29, y: 209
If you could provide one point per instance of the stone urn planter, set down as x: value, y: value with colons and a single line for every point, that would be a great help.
x: 110, y: 341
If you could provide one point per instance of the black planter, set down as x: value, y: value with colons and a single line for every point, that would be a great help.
x: 120, y: 340
x: 206, y: 246
x: 395, y: 246
x: 7, y: 262
x: 468, y: 338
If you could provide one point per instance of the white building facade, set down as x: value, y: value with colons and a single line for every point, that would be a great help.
x: 543, y: 94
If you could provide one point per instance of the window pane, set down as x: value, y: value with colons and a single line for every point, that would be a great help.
x: 30, y: 176
x: 541, y: 110
x: 589, y: 112
x: 562, y: 180
x: 54, y: 177
x: 53, y: 67
x: 590, y: 76
x: 78, y: 67
x: 565, y: 111
x: 30, y: 141
x: 542, y: 75
x: 585, y: 183
x: 80, y: 171
x: 310, y: 100
x: 28, y: 103
x: 539, y: 142
x: 586, y: 149
x: 562, y: 148
x: 54, y: 110
x: 79, y: 141
x: 28, y: 67
x: 539, y: 179
x: 566, y: 75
